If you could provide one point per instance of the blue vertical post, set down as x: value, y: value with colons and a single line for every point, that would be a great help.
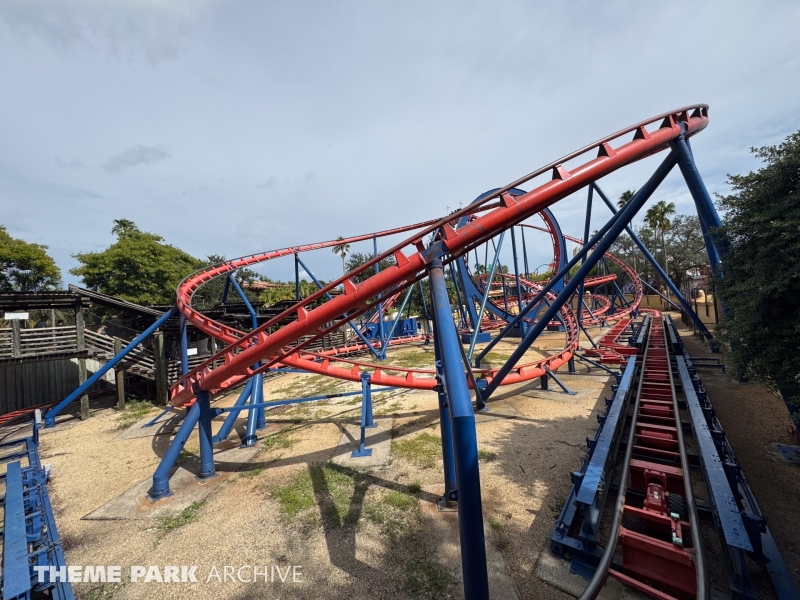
x: 485, y: 297
x: 161, y: 475
x: 465, y: 443
x: 461, y: 303
x: 450, y: 497
x: 427, y: 318
x: 516, y: 277
x: 586, y: 226
x: 296, y: 277
x: 661, y: 273
x: 366, y: 417
x: 225, y: 290
x: 206, y: 442
x: 609, y: 235
x: 223, y: 432
x: 184, y: 347
x: 380, y: 304
x: 366, y: 395
x: 261, y: 419
x: 524, y: 252
x: 705, y: 206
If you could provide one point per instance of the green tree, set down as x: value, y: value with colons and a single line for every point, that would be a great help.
x: 138, y: 267
x: 624, y: 197
x: 657, y: 217
x: 26, y: 267
x: 357, y: 259
x: 761, y: 280
x: 342, y: 249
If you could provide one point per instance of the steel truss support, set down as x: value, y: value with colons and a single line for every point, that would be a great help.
x: 485, y: 297
x: 50, y: 417
x: 550, y: 286
x: 716, y: 248
x: 465, y: 443
x: 367, y: 421
x: 609, y: 233
x: 661, y: 273
x: 586, y: 226
x: 353, y: 327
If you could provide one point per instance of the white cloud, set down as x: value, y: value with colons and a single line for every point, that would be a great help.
x: 158, y: 29
x: 135, y: 156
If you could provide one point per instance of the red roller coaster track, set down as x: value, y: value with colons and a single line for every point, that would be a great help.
x: 500, y: 211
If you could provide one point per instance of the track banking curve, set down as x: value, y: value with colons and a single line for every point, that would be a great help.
x: 254, y: 352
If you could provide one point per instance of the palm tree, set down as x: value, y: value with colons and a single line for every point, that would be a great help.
x: 657, y: 218
x: 624, y: 197
x: 342, y: 249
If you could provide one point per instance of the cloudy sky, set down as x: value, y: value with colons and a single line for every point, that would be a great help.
x: 238, y: 126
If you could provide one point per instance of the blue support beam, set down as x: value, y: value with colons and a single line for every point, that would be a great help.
x: 206, y: 439
x: 380, y: 304
x: 160, y: 487
x: 16, y: 574
x: 465, y: 442
x: 50, y: 417
x: 586, y: 226
x: 366, y: 417
x: 225, y: 430
x: 661, y: 273
x: 184, y: 347
x: 385, y: 345
x: 618, y: 223
x: 450, y: 497
x: 516, y: 276
x: 550, y: 285
x: 354, y: 328
x: 485, y: 297
x: 716, y: 245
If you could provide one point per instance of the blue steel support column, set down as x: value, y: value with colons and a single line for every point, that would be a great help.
x: 353, y: 327
x: 256, y: 420
x: 206, y: 443
x: 226, y: 290
x: 652, y: 260
x: 161, y: 476
x: 366, y: 394
x: 705, y: 206
x: 231, y: 418
x: 250, y: 437
x: 465, y: 443
x: 585, y: 237
x: 425, y: 309
x: 397, y: 320
x: 485, y: 297
x: 261, y: 418
x: 620, y: 220
x: 296, y: 277
x: 380, y: 304
x: 525, y: 252
x: 551, y: 285
x: 184, y: 347
x: 461, y: 303
x: 448, y: 462
x: 516, y: 277
x: 50, y: 417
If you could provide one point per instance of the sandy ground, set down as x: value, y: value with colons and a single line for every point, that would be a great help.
x: 357, y: 533
x: 754, y: 420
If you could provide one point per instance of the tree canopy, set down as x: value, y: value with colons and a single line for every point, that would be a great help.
x: 26, y: 267
x: 761, y: 274
x: 138, y: 267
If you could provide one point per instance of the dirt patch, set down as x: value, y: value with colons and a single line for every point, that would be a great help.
x: 754, y: 419
x: 356, y: 532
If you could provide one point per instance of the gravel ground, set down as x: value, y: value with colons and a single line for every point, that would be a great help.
x: 754, y: 420
x: 374, y: 545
